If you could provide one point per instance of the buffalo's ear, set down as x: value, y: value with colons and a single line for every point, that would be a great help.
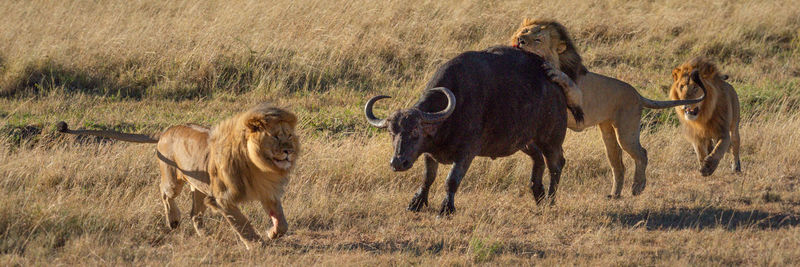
x: 430, y: 129
x: 675, y: 73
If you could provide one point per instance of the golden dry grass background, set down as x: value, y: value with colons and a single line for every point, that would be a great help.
x: 139, y: 66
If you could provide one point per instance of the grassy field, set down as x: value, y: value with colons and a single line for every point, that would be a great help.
x: 139, y: 66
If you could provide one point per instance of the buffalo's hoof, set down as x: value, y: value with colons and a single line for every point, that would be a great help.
x: 538, y: 194
x: 447, y: 208
x: 175, y: 224
x: 417, y: 203
x: 613, y: 196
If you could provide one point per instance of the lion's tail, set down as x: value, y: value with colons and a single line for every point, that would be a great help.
x: 655, y: 104
x: 136, y: 138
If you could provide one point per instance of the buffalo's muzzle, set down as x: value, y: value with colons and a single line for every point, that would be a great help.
x: 400, y: 164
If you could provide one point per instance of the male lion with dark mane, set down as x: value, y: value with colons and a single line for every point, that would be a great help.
x: 610, y: 103
x: 246, y: 157
x: 712, y: 126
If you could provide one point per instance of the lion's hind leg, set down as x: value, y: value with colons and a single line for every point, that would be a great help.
x: 735, y: 143
x: 614, y: 154
x: 628, y: 135
x: 170, y: 188
x: 198, y: 208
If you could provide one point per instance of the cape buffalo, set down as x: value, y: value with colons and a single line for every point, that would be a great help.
x: 488, y: 103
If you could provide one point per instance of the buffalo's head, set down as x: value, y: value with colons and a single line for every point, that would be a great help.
x: 410, y: 128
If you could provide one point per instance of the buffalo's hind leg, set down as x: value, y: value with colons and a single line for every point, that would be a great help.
x: 453, y: 180
x: 554, y: 157
x: 537, y: 171
x: 420, y: 199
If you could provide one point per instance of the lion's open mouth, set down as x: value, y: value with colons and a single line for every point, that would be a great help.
x: 282, y: 163
x: 692, y: 111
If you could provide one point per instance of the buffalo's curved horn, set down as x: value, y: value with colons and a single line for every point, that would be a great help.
x: 374, y: 121
x: 695, y: 75
x: 428, y: 117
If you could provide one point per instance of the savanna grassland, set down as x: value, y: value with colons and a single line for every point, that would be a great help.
x: 139, y: 66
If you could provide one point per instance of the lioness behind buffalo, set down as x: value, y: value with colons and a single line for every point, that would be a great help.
x: 489, y: 103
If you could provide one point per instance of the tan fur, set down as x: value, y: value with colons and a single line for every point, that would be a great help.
x: 715, y: 129
x: 547, y: 39
x: 613, y: 105
x: 246, y: 157
x: 554, y: 37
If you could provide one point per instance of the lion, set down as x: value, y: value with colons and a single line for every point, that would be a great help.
x: 712, y: 126
x: 243, y: 158
x: 613, y: 105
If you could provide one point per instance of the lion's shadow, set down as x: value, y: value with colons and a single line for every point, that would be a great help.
x: 705, y: 218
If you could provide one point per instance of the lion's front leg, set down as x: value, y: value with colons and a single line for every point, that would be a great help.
x: 275, y: 211
x: 239, y: 222
x: 571, y: 90
x: 557, y: 76
x: 711, y: 162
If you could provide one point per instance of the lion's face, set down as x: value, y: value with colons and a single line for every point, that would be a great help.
x: 541, y: 40
x: 684, y: 88
x: 276, y: 143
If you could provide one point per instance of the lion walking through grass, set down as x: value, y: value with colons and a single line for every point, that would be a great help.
x: 245, y: 158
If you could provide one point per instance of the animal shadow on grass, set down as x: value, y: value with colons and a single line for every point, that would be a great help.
x: 414, y: 248
x: 706, y: 218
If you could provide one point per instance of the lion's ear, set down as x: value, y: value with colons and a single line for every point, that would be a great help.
x: 561, y: 48
x: 675, y: 73
x: 259, y: 123
x: 526, y: 22
x: 707, y: 71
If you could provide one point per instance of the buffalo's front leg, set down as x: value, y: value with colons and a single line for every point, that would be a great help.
x: 453, y: 180
x: 420, y: 199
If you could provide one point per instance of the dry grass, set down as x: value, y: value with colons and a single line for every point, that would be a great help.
x: 142, y: 65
